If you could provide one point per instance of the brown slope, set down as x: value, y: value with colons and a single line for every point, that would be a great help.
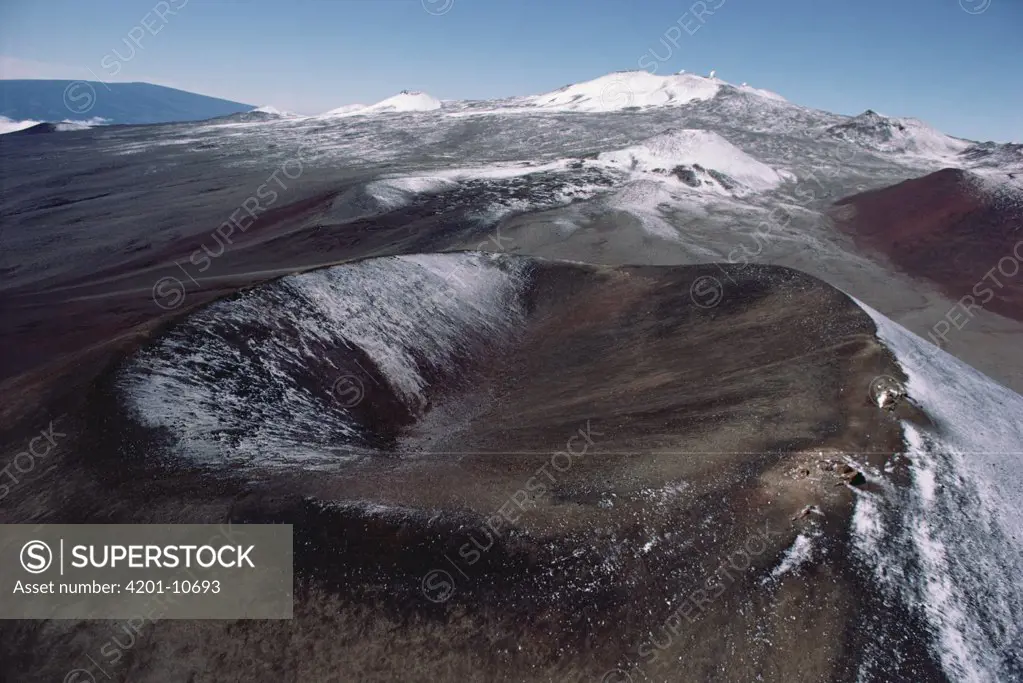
x: 949, y: 228
x: 714, y: 423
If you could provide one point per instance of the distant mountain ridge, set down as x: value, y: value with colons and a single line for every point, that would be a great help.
x: 891, y: 134
x: 125, y: 103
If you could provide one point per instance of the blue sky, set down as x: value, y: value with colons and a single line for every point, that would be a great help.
x: 960, y: 71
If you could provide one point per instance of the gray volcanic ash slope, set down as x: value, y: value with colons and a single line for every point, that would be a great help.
x: 534, y: 470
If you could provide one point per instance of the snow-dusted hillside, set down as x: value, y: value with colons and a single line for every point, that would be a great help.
x: 405, y: 101
x: 953, y: 535
x: 344, y: 110
x: 412, y: 343
x: 898, y: 136
x: 699, y: 158
x: 1002, y: 161
x: 766, y: 94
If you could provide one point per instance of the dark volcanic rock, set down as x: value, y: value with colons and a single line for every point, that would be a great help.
x: 857, y: 479
x: 686, y: 175
x: 868, y: 126
x: 723, y: 179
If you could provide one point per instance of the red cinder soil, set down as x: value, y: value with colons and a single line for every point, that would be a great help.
x: 950, y: 228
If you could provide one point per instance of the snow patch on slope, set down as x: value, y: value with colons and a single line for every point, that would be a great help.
x: 702, y: 148
x: 72, y: 125
x: 767, y: 94
x: 394, y: 193
x: 391, y: 193
x: 405, y: 101
x: 643, y: 200
x: 344, y: 110
x: 273, y: 111
x: 950, y: 546
x: 248, y: 380
x: 796, y: 556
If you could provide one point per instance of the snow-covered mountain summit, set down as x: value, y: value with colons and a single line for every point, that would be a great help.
x: 626, y: 89
x: 405, y: 101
